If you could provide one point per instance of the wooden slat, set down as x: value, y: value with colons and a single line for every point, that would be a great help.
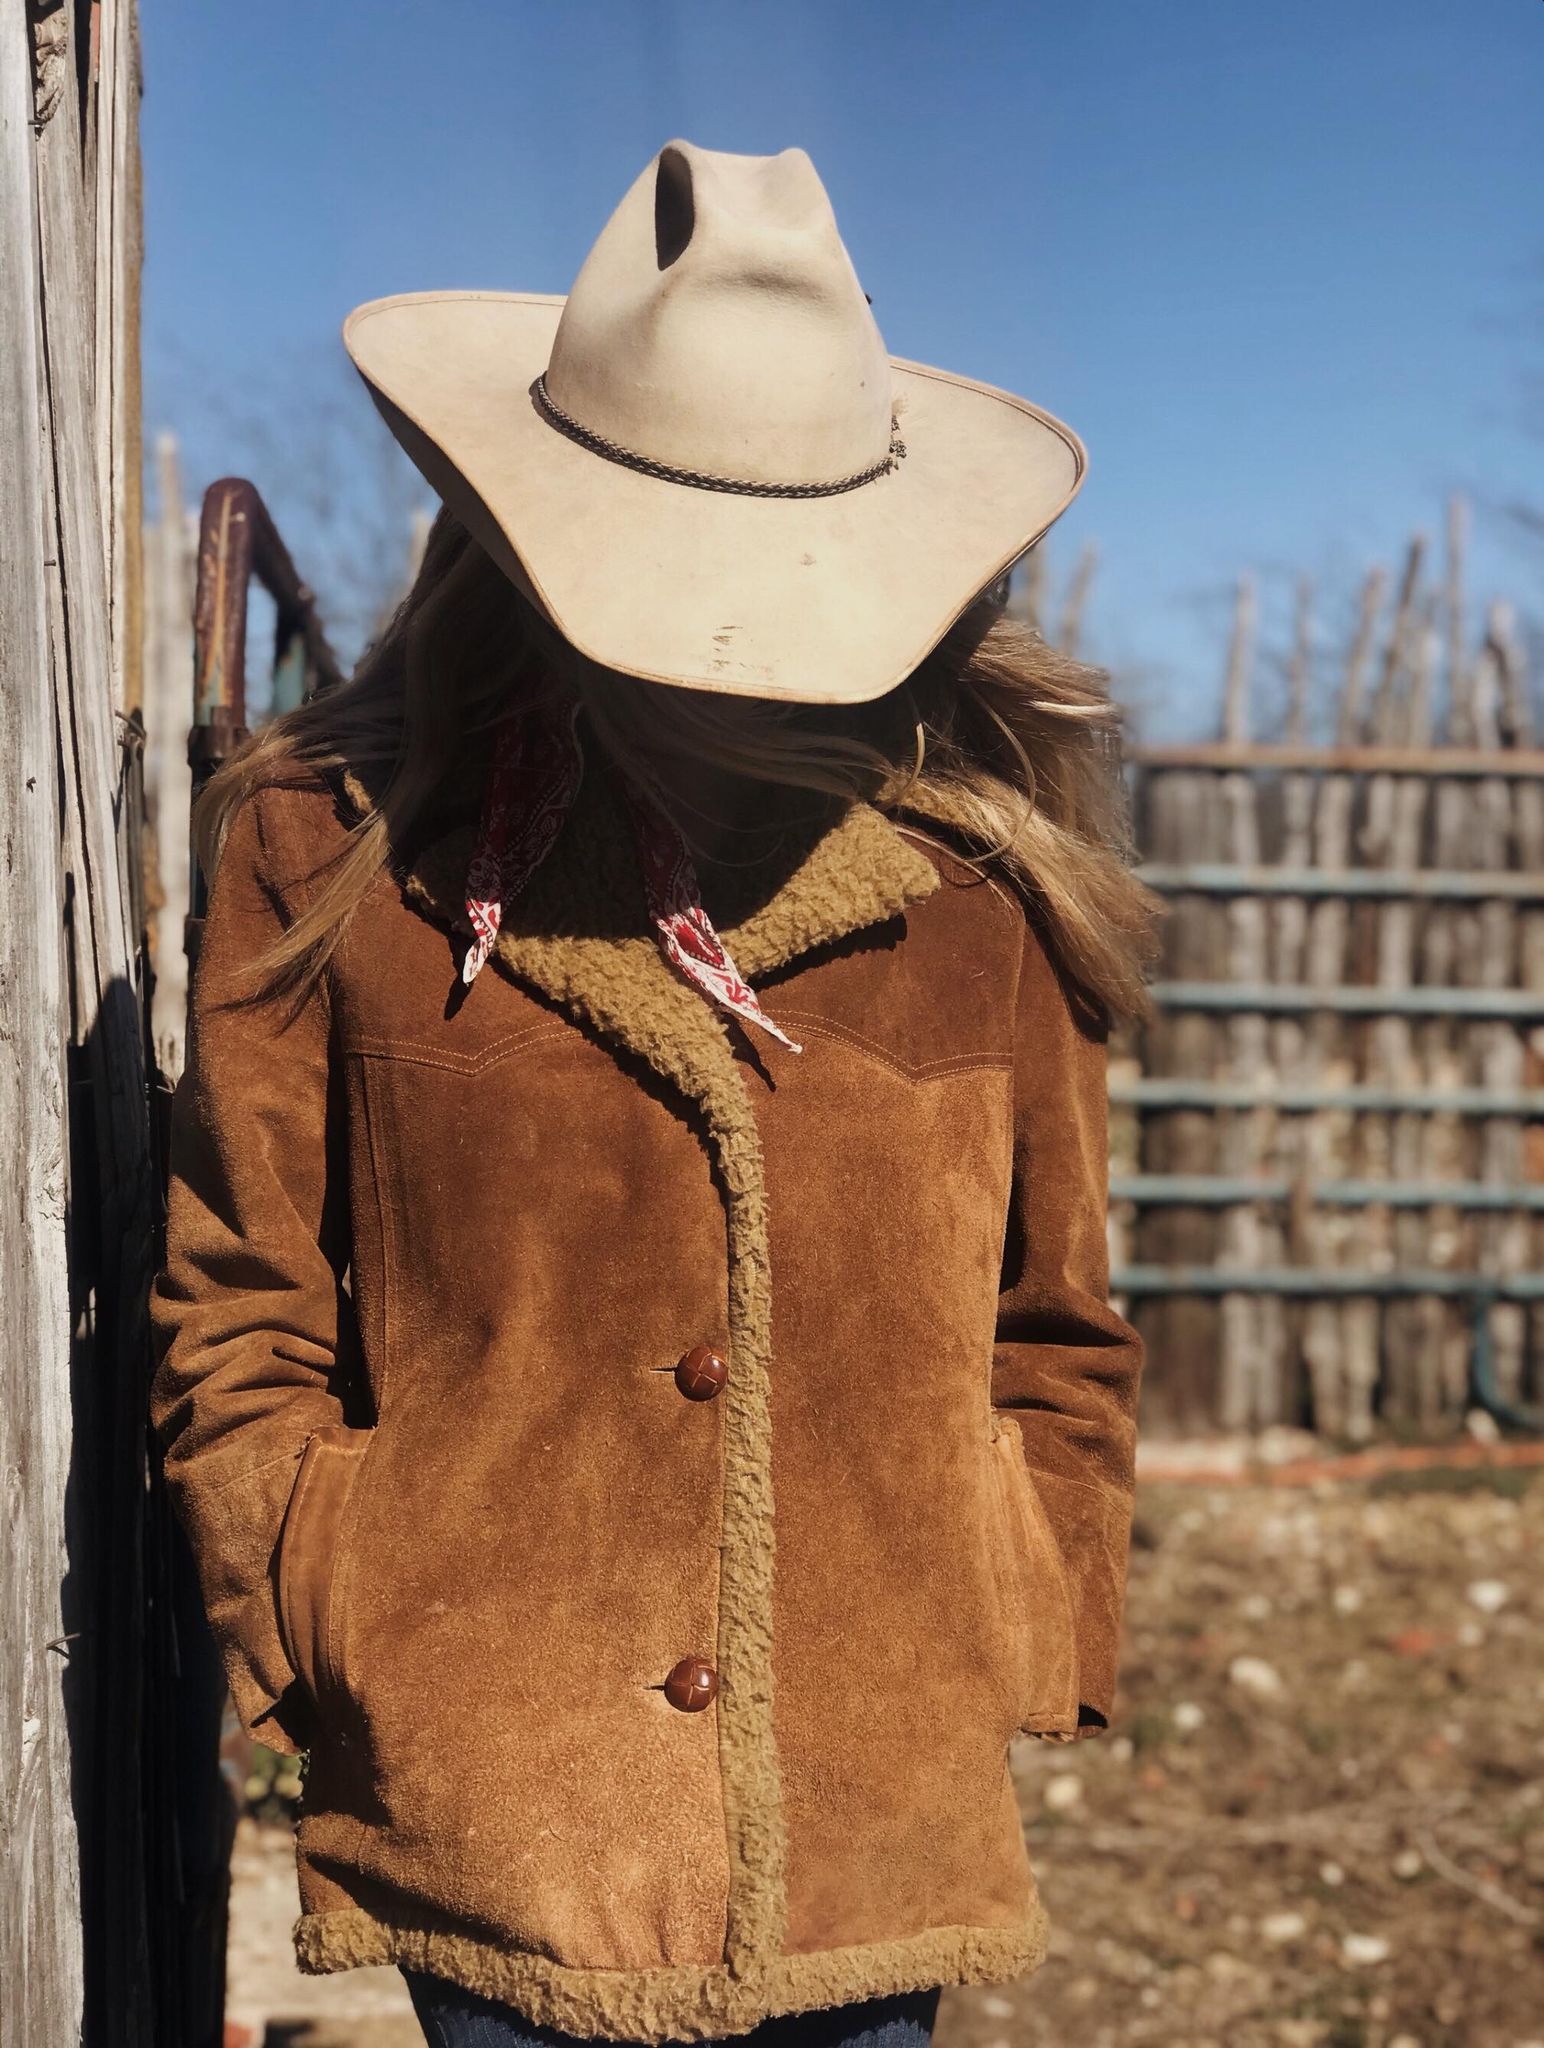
x: 1251, y: 1382
x: 1294, y: 1049
x: 1339, y: 1337
x: 1498, y: 1054
x: 171, y: 554
x: 1177, y: 814
x: 1528, y: 854
x: 41, y: 1957
x: 1419, y: 1337
x: 114, y: 1207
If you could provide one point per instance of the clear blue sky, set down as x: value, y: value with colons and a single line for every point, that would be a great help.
x: 1282, y: 267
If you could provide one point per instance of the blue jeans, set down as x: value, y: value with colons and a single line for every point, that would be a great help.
x: 453, y: 2018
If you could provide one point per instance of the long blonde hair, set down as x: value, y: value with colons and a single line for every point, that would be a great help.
x: 1011, y: 741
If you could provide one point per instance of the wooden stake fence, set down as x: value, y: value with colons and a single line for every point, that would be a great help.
x: 1329, y: 1164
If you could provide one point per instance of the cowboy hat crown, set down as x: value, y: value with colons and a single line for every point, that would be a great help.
x: 718, y: 327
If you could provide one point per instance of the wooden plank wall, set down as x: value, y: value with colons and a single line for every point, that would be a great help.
x: 171, y: 576
x: 1432, y: 986
x: 41, y: 1962
x: 91, y: 1895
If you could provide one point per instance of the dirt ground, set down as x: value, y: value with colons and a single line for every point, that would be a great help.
x: 1318, y: 1823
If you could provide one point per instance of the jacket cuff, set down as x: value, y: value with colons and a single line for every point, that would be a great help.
x: 1089, y: 1723
x: 283, y: 1722
x: 1092, y: 1527
x: 233, y: 1533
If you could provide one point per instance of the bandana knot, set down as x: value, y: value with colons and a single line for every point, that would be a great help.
x: 537, y: 764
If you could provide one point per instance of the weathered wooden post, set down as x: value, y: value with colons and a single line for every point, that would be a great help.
x: 41, y: 1966
x: 1249, y: 1366
x: 171, y: 569
x: 1290, y: 1035
x: 1340, y: 1336
x: 95, y: 1941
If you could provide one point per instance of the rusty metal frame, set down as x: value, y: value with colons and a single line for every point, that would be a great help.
x: 237, y: 544
x: 237, y: 541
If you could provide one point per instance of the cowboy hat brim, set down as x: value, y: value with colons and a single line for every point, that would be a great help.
x: 818, y: 600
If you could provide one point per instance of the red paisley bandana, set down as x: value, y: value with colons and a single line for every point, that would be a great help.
x: 536, y: 768
x: 535, y: 773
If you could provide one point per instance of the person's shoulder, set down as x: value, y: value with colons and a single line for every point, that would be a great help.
x: 286, y: 827
x: 958, y: 862
x: 1047, y: 979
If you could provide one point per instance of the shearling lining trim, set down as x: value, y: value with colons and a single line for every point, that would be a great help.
x: 681, y: 2004
x: 853, y: 868
x: 580, y: 932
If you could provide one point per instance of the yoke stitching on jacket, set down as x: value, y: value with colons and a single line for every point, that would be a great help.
x: 413, y: 1053
x: 919, y: 1070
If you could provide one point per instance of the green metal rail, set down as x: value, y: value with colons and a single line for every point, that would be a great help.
x: 1219, y: 878
x: 1159, y: 1092
x: 1288, y: 998
x: 1321, y: 1281
x: 1215, y: 1190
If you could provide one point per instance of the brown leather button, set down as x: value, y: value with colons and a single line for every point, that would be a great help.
x: 701, y: 1373
x: 691, y: 1685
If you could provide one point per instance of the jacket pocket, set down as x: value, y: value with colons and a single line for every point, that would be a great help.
x: 310, y: 1544
x: 1038, y: 1573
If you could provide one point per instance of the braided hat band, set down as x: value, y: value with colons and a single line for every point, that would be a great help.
x: 701, y: 480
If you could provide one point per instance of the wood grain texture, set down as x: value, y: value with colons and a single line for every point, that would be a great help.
x: 87, y: 1803
x: 41, y: 1961
x: 86, y: 247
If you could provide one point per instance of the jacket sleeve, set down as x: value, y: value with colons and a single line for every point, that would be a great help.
x: 1066, y: 1366
x: 248, y: 1306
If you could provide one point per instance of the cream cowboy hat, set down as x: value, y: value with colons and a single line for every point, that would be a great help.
x: 702, y: 464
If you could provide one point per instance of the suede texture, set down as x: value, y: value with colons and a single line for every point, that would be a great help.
x: 432, y: 1257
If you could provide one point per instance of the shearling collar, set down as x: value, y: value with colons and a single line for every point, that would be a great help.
x: 580, y: 927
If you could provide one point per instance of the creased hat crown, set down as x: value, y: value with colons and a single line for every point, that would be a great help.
x: 718, y: 325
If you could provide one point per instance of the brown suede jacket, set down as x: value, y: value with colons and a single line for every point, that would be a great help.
x: 650, y: 1705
